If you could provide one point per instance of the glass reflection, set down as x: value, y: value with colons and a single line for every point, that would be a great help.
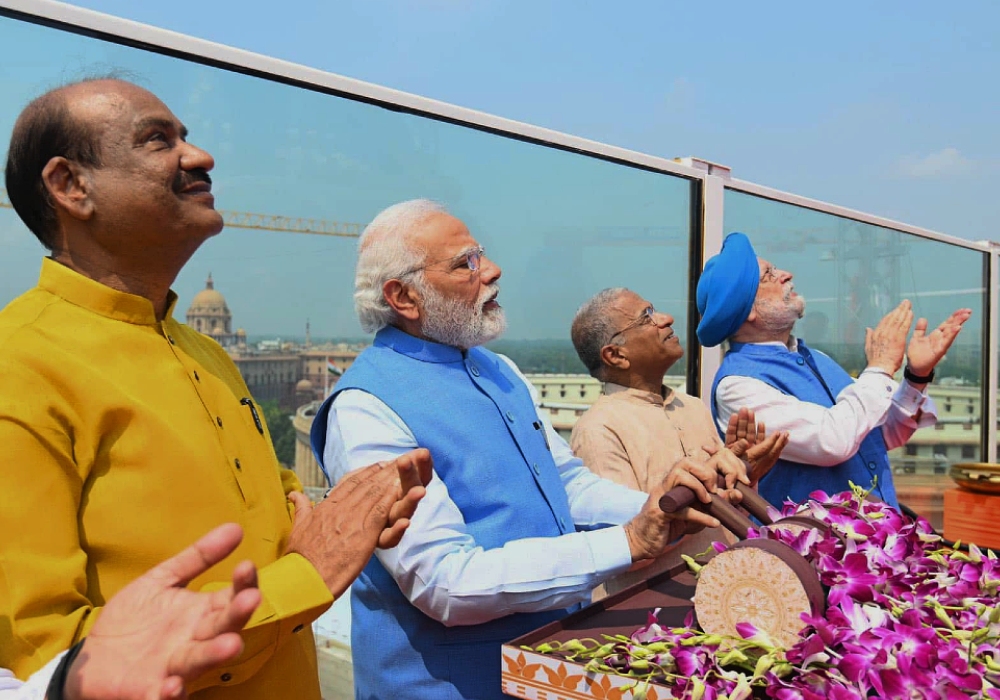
x: 561, y: 225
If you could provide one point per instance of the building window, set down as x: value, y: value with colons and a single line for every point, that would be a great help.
x: 968, y: 451
x: 970, y: 409
x: 911, y: 450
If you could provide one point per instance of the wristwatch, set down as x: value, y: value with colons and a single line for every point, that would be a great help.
x: 917, y: 379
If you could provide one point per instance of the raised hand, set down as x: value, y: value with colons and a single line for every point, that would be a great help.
x: 415, y: 470
x: 742, y: 428
x: 926, y: 349
x: 884, y: 346
x: 155, y: 635
x: 747, y: 438
x: 370, y: 508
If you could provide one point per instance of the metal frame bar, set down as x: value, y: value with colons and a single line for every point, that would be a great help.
x: 712, y: 233
x: 853, y: 214
x: 992, y: 347
x: 143, y: 36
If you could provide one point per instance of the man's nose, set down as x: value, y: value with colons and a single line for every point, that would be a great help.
x: 194, y: 157
x: 489, y: 272
x: 663, y: 319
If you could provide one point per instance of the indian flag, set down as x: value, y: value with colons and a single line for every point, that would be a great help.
x: 332, y: 368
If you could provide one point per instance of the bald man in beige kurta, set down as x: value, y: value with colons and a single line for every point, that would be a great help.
x: 635, y: 437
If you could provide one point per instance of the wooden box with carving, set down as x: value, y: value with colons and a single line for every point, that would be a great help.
x: 534, y: 676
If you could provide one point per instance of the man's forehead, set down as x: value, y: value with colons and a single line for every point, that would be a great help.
x: 630, y: 303
x: 443, y: 234
x: 118, y: 100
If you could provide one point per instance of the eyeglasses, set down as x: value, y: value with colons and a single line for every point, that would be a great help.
x: 644, y: 319
x: 769, y: 274
x: 469, y: 262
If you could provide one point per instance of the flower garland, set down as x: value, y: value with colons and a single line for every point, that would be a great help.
x: 906, y: 618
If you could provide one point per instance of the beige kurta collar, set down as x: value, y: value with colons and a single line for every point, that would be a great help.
x: 663, y: 398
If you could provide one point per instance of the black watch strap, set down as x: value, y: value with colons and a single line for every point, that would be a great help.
x: 917, y: 379
x: 57, y: 683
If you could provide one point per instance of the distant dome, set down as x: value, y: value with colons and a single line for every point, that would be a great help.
x: 240, y: 333
x: 208, y: 300
x: 210, y: 315
x: 304, y: 385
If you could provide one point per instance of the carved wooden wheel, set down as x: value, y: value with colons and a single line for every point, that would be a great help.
x: 763, y: 582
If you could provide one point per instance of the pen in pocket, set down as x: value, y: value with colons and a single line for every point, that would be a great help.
x: 247, y: 401
x: 537, y: 425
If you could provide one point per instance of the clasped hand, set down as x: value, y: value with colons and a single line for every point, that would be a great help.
x: 155, y: 635
x: 369, y: 508
x: 652, y: 530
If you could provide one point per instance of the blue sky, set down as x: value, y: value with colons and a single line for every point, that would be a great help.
x: 888, y: 107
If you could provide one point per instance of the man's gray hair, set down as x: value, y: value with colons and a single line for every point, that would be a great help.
x: 385, y: 253
x: 593, y: 326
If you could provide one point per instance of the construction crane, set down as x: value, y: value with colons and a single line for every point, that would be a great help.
x: 270, y: 222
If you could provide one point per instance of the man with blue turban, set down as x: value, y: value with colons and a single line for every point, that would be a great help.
x: 840, y: 428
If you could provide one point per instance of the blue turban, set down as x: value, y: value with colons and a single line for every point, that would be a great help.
x: 727, y: 289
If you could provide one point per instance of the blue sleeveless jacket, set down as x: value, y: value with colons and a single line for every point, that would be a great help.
x: 478, y: 421
x: 815, y: 378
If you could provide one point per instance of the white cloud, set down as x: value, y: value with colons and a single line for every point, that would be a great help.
x: 943, y: 163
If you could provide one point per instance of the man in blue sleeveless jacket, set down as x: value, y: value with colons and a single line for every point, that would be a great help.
x: 840, y: 428
x: 515, y: 532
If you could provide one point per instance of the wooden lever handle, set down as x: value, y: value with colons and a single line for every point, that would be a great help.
x: 756, y: 504
x: 677, y: 499
x: 731, y: 518
x: 681, y: 497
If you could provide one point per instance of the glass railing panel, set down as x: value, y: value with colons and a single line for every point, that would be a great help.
x: 562, y: 226
x: 851, y: 274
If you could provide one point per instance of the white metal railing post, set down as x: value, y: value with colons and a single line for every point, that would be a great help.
x: 713, y: 209
x: 993, y: 361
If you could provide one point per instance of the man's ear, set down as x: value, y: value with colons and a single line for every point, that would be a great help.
x: 403, y: 299
x: 68, y: 186
x: 615, y: 357
x: 753, y: 314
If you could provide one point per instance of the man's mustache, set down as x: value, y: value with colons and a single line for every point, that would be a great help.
x: 489, y: 294
x: 186, y: 178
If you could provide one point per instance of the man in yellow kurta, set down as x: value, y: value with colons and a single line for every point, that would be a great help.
x: 126, y: 435
x: 639, y: 428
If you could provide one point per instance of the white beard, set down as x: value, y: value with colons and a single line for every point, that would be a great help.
x: 453, y: 322
x: 780, y: 317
